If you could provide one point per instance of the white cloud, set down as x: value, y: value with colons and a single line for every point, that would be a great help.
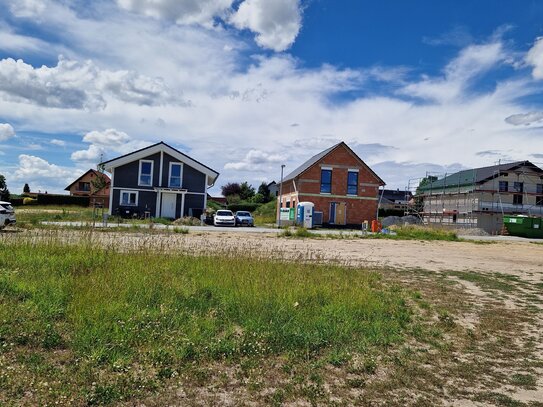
x: 27, y: 8
x: 525, y: 118
x: 534, y: 57
x: 42, y: 175
x: 276, y: 23
x: 57, y: 142
x: 471, y: 62
x: 202, y: 12
x: 109, y: 137
x: 6, y: 131
x: 256, y: 160
x: 92, y: 155
x: 79, y: 85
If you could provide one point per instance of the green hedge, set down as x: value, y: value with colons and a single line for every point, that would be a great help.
x: 52, y: 199
x: 244, y: 206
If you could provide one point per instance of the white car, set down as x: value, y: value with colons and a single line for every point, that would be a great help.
x: 224, y: 218
x: 7, y: 214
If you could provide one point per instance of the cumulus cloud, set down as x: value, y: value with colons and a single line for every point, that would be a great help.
x: 42, y: 175
x: 276, y: 23
x: 525, y: 118
x: 78, y: 85
x: 6, y: 131
x: 106, y: 144
x: 255, y: 160
x: 202, y: 12
x: 109, y: 137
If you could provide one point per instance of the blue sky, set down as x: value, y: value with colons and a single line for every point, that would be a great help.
x: 247, y: 85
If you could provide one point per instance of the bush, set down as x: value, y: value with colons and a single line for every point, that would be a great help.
x: 16, y: 201
x: 29, y: 201
x: 244, y: 206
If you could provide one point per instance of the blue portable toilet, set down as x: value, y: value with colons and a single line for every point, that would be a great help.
x: 304, y: 214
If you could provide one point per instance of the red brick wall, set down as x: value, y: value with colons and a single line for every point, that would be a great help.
x: 341, y: 160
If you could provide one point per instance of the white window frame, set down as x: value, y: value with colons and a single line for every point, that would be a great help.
x: 126, y: 191
x: 152, y: 171
x: 172, y: 163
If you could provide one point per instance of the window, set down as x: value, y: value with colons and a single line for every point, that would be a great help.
x: 326, y: 181
x: 539, y: 189
x: 539, y: 200
x: 352, y: 183
x: 518, y: 186
x: 84, y: 186
x: 146, y: 173
x: 504, y: 186
x: 129, y: 198
x: 176, y: 170
x: 288, y: 204
x: 517, y: 199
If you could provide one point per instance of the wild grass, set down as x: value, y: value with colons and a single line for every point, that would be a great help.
x: 266, y: 214
x: 414, y: 232
x: 88, y: 325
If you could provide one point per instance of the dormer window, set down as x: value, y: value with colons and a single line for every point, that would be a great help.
x: 146, y: 173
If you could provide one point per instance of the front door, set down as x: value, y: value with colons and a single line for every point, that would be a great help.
x: 168, y: 206
x: 340, y: 217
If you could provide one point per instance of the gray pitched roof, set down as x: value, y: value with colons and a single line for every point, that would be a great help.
x: 316, y: 158
x: 476, y: 175
x: 309, y: 163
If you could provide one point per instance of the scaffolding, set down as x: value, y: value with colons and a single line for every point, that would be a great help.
x: 466, y: 203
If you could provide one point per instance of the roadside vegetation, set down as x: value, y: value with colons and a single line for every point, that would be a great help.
x: 86, y: 325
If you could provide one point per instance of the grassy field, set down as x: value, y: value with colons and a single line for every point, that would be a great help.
x: 83, y: 325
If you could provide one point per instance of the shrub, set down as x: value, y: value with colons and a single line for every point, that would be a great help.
x: 244, y: 206
x: 29, y: 201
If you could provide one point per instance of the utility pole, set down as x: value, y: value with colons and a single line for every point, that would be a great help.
x: 280, y: 195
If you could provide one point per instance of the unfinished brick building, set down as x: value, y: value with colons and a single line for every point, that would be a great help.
x: 338, y: 183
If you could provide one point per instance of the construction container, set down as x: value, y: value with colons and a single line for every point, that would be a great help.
x: 524, y: 226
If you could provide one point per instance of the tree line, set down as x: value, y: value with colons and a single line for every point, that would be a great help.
x: 235, y: 192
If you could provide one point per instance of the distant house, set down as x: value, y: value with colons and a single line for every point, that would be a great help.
x: 159, y: 181
x: 338, y: 183
x: 85, y: 185
x: 273, y: 187
x: 480, y: 197
x: 395, y: 200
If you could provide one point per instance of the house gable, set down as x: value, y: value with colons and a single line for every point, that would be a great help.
x: 160, y: 148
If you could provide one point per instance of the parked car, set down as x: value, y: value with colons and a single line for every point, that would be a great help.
x: 224, y: 218
x: 244, y: 218
x: 7, y: 214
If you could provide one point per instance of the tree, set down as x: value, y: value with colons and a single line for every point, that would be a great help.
x: 265, y: 192
x: 26, y: 189
x: 98, y: 182
x: 246, y: 191
x: 4, y: 191
x: 232, y: 188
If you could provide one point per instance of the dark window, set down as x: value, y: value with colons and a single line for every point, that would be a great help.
x: 517, y: 199
x: 288, y: 204
x: 326, y: 181
x: 539, y: 189
x: 518, y: 186
x: 504, y: 186
x: 352, y: 183
x: 539, y: 200
x: 84, y: 186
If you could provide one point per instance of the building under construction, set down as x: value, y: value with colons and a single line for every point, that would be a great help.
x: 479, y: 197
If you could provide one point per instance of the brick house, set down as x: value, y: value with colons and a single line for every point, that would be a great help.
x: 338, y: 183
x: 83, y: 186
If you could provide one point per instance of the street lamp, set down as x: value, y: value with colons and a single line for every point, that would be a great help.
x: 281, y: 195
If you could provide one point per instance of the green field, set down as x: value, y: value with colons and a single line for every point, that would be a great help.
x: 85, y: 325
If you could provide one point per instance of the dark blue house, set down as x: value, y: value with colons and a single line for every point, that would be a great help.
x: 159, y: 181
